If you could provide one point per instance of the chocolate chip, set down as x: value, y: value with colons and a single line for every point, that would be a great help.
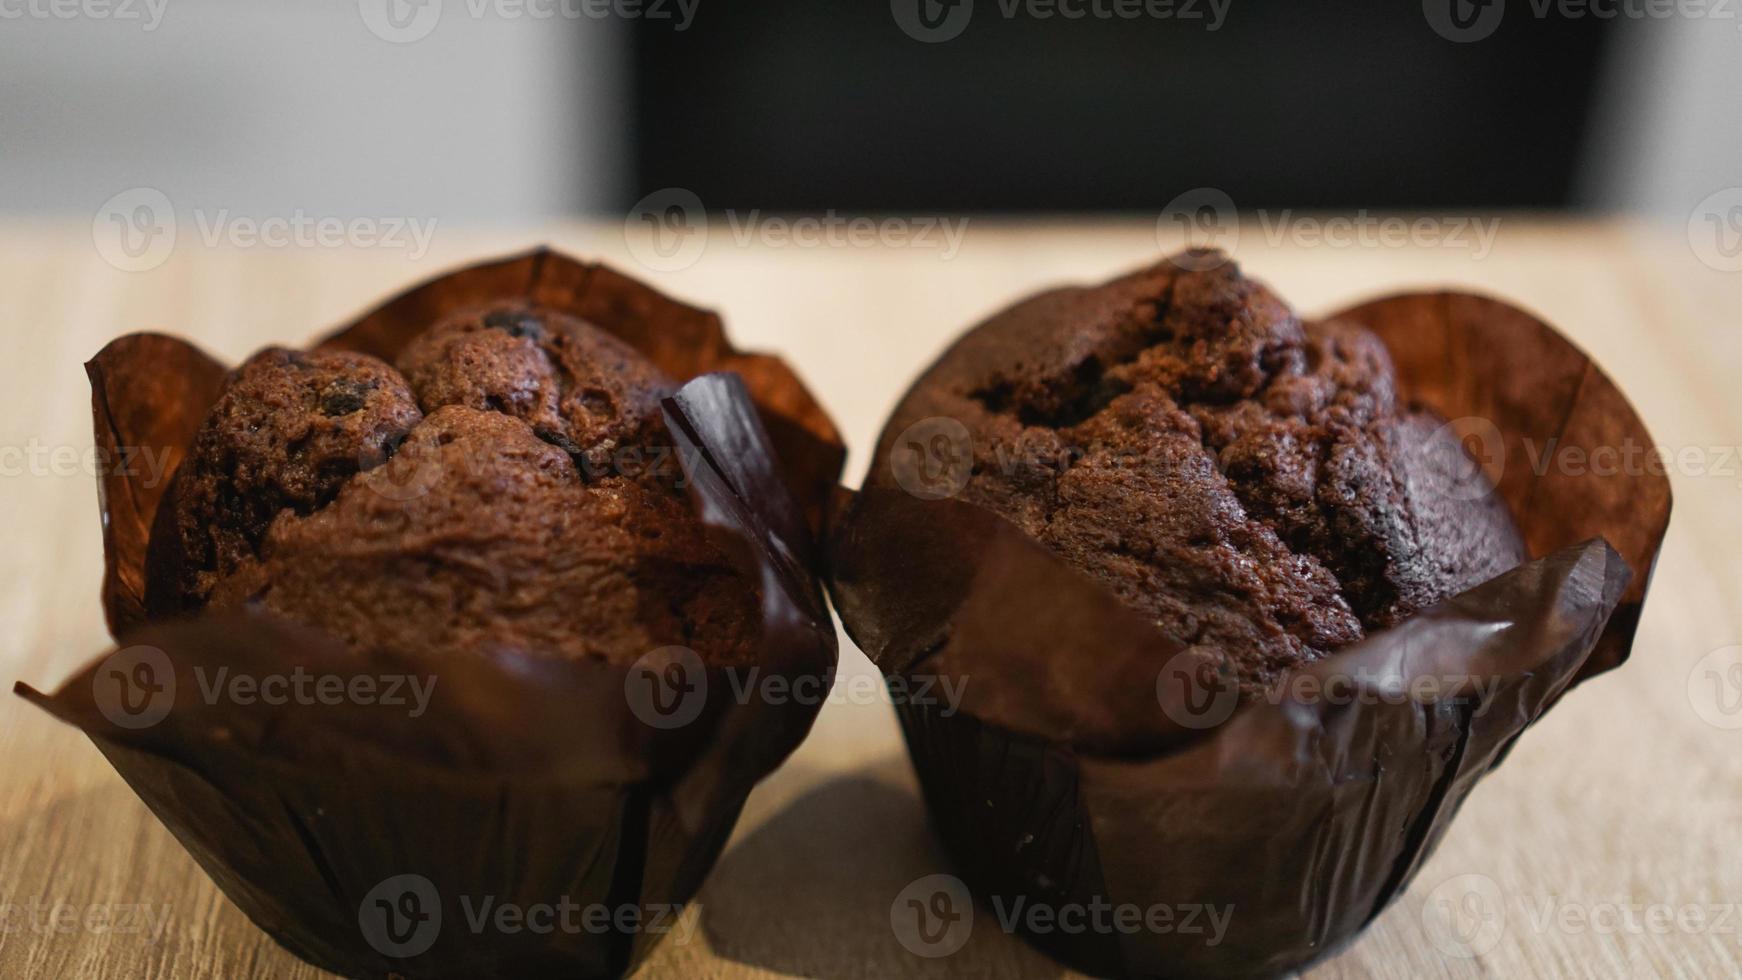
x: 516, y: 323
x: 344, y: 396
x: 558, y: 440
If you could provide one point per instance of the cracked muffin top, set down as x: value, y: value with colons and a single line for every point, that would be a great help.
x: 1250, y: 482
x: 509, y: 483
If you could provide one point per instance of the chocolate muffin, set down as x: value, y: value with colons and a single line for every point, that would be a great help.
x: 1250, y: 482
x: 508, y: 484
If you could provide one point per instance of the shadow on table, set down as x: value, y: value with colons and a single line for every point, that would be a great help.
x: 809, y: 893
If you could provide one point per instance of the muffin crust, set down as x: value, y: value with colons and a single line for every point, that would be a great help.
x: 1249, y: 481
x: 478, y: 496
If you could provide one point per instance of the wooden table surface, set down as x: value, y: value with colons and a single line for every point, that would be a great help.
x: 1612, y: 836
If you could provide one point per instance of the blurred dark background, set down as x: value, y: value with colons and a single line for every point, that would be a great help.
x: 799, y: 105
x: 509, y: 112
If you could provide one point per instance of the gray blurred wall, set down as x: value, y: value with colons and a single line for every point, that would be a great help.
x: 266, y: 107
x: 1670, y: 131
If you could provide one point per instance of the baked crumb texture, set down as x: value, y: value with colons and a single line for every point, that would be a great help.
x: 509, y: 483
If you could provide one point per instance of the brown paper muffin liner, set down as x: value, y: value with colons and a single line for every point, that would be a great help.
x: 528, y: 815
x: 1302, y: 815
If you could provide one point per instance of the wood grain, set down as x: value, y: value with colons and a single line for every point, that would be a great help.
x: 1626, y: 797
